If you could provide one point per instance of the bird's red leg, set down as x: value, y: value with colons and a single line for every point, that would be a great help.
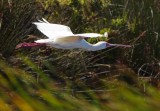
x: 29, y: 45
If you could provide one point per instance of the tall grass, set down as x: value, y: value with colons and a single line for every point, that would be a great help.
x: 51, y: 79
x: 21, y: 91
x: 128, y: 22
x: 15, y: 23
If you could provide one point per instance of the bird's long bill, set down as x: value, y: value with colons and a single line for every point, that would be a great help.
x: 120, y: 45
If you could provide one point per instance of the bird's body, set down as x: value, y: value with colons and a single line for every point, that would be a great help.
x: 77, y: 42
x: 61, y: 36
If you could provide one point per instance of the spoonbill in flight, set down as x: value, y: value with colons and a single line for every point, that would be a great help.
x: 61, y: 36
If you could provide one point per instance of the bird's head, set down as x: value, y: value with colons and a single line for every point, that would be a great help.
x: 103, y: 44
x: 108, y: 44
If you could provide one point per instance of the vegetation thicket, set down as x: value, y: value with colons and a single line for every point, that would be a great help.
x: 114, y: 79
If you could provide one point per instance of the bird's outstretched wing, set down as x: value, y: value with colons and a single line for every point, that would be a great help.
x: 53, y: 30
x: 60, y: 31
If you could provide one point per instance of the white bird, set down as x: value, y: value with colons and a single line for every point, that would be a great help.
x: 61, y: 36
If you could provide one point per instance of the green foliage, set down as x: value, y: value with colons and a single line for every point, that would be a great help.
x: 15, y: 23
x: 20, y: 91
x: 48, y: 79
x: 142, y: 16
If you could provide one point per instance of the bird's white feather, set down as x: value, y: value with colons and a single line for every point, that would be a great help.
x: 45, y: 20
x: 41, y: 21
x: 87, y: 35
x: 53, y: 30
x: 44, y: 41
